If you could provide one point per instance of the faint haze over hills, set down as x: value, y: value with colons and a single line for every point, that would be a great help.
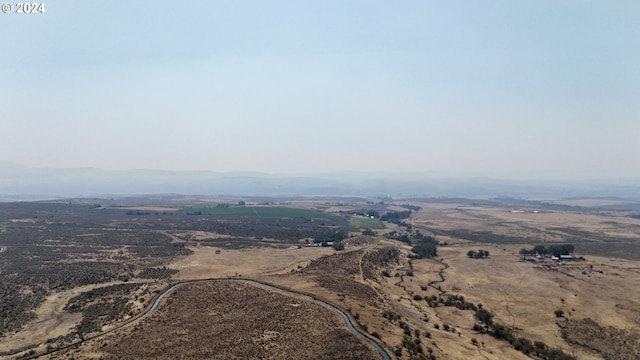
x: 528, y: 89
x: 25, y: 183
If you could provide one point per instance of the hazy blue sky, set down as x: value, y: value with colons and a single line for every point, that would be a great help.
x: 526, y: 89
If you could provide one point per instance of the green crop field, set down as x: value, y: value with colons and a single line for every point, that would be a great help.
x: 365, y: 223
x: 259, y: 211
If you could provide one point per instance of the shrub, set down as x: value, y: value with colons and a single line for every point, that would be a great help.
x: 398, y: 351
x: 484, y: 317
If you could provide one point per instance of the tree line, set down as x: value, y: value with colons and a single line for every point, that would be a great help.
x: 555, y: 250
x: 394, y: 216
x: 524, y: 345
x: 477, y: 254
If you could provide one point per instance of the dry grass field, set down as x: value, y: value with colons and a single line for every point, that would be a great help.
x: 594, y: 231
x: 404, y: 302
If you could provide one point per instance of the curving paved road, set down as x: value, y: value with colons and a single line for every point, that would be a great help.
x: 164, y: 293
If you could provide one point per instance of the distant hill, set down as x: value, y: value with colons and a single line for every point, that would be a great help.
x: 28, y: 183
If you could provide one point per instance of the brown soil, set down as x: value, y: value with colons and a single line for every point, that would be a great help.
x: 232, y: 320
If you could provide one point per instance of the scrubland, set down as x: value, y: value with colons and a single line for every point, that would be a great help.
x: 414, y: 307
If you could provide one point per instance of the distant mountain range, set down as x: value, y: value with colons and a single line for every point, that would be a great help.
x: 25, y: 183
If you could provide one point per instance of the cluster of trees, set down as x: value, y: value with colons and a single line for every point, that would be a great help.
x: 415, y: 349
x: 450, y: 300
x: 335, y: 237
x: 156, y: 273
x: 81, y: 301
x: 524, y: 345
x: 411, y: 340
x: 400, y: 237
x: 368, y: 232
x: 395, y: 216
x: 99, y: 314
x: 556, y: 250
x: 391, y: 316
x: 102, y: 306
x: 425, y: 248
x: 478, y: 254
x: 406, y: 238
